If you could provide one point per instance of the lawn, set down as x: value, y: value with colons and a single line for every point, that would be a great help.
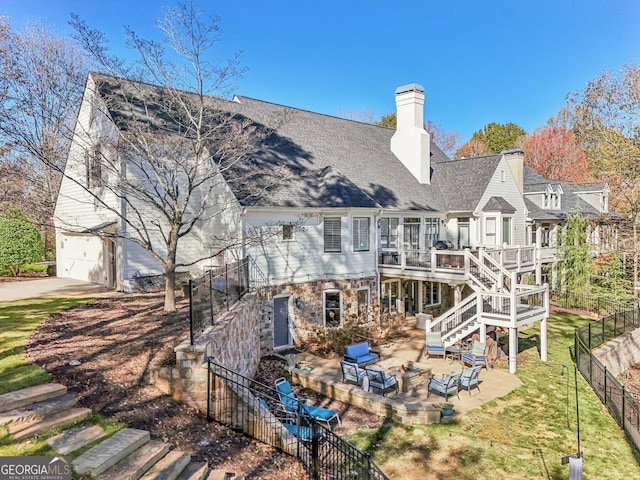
x: 17, y: 322
x: 521, y: 436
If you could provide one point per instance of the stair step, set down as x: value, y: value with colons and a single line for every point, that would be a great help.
x: 218, y: 474
x: 73, y: 439
x: 37, y: 393
x: 194, y: 471
x: 38, y: 410
x: 20, y: 431
x: 169, y: 467
x: 137, y: 463
x: 106, y: 454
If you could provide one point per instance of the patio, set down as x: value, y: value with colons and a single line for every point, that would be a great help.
x: 413, y: 406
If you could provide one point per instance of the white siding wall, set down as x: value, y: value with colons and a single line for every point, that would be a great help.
x: 303, y: 258
x: 510, y: 192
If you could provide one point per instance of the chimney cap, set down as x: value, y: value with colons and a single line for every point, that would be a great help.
x: 412, y: 87
x: 515, y: 151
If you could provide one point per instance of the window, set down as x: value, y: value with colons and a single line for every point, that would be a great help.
x: 431, y: 231
x: 389, y: 297
x: 503, y: 176
x: 490, y: 234
x: 363, y: 303
x: 287, y: 232
x: 506, y: 230
x: 430, y: 293
x: 545, y: 235
x: 332, y: 234
x: 93, y: 160
x: 389, y: 232
x: 332, y: 314
x: 361, y: 234
x: 604, y: 204
x: 556, y: 201
x: 545, y: 200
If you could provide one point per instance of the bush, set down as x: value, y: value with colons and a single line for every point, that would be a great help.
x: 20, y: 241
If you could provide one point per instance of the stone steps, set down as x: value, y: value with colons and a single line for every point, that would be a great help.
x: 38, y: 410
x: 77, y: 437
x: 21, y: 431
x: 27, y: 396
x: 129, y: 454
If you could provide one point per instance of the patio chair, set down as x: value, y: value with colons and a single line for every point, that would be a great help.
x: 469, y: 378
x: 448, y: 385
x: 351, y: 373
x: 381, y: 381
x: 291, y: 404
x: 477, y: 356
x: 433, y: 345
x: 288, y: 420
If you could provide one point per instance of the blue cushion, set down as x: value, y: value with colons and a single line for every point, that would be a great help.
x: 435, y: 348
x: 306, y: 434
x: 469, y: 358
x: 357, y: 350
x: 319, y: 412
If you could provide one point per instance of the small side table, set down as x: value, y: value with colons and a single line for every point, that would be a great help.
x: 454, y: 353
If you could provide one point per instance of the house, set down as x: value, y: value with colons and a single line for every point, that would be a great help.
x: 369, y: 221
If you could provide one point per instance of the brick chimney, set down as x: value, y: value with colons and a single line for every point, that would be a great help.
x: 411, y: 142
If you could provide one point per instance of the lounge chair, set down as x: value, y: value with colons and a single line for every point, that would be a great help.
x: 288, y: 420
x: 382, y: 382
x: 477, y: 356
x: 433, y: 345
x: 469, y: 378
x: 445, y: 386
x: 352, y: 373
x: 291, y: 404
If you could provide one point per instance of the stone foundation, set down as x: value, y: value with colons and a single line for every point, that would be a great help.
x: 233, y: 342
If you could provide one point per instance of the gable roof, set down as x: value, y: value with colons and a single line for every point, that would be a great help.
x: 334, y: 162
x: 498, y: 204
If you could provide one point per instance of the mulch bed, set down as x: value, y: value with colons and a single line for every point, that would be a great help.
x: 117, y: 340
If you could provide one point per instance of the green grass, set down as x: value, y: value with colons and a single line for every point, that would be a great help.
x: 18, y: 320
x: 520, y: 436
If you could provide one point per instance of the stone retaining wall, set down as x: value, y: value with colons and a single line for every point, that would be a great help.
x: 235, y: 342
x: 418, y: 413
x: 621, y: 353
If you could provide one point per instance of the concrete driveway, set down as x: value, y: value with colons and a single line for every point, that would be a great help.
x: 51, y: 287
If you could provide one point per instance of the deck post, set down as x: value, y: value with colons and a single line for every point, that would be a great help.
x: 543, y: 339
x: 513, y: 348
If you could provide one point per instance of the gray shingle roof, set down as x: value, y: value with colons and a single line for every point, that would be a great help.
x: 498, y: 204
x: 334, y: 162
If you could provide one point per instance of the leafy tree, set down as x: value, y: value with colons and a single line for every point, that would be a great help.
x: 389, y: 120
x: 608, y: 277
x: 497, y: 137
x: 181, y: 145
x: 554, y: 153
x: 472, y: 148
x: 20, y: 242
x: 605, y: 118
x: 575, y: 260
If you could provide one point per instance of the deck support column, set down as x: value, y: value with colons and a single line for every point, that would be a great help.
x: 513, y: 349
x: 543, y: 339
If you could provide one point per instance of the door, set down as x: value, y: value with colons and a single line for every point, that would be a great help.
x: 463, y: 235
x: 281, y: 322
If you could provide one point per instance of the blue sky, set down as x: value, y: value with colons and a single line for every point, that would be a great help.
x: 479, y: 61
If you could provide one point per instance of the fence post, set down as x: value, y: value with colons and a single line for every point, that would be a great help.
x: 367, y: 465
x: 315, y: 454
x: 622, y: 424
x: 211, y: 296
x: 226, y: 285
x: 605, y: 383
x: 208, y: 388
x: 603, y: 339
x: 191, y: 332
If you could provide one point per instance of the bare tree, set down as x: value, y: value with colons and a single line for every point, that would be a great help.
x: 178, y: 150
x: 41, y: 82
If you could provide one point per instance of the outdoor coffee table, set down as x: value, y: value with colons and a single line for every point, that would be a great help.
x: 455, y: 353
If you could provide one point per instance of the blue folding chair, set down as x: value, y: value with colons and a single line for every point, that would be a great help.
x: 291, y: 404
x: 305, y: 434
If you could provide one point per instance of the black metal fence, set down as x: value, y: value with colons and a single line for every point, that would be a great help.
x: 255, y: 409
x: 599, y: 305
x: 623, y: 405
x: 215, y: 292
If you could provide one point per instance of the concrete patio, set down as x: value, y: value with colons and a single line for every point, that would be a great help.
x: 413, y: 406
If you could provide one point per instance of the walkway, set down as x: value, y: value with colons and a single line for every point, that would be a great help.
x: 51, y: 287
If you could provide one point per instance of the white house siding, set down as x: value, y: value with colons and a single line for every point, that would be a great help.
x: 303, y: 258
x: 510, y: 192
x: 81, y: 257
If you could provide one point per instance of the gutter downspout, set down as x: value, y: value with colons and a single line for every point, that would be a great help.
x: 377, y: 256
